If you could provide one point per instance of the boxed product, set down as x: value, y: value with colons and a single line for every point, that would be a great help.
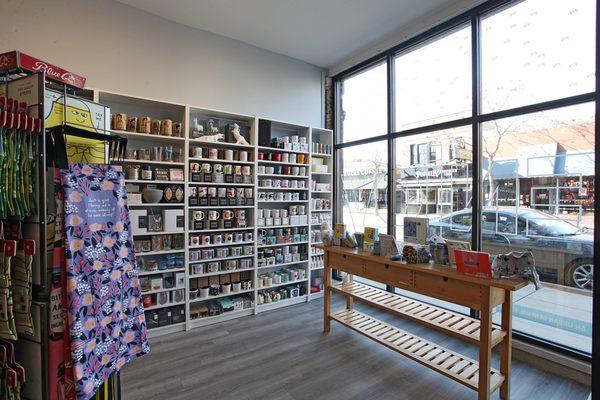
x: 173, y: 220
x: 139, y: 221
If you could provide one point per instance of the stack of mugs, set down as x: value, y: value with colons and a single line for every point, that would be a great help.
x: 284, y: 158
x: 284, y: 275
x: 293, y: 215
x: 220, y: 173
x: 273, y: 296
x: 221, y: 252
x: 282, y: 183
x: 156, y: 153
x: 280, y: 196
x: 218, y: 219
x: 220, y: 238
x: 213, y: 267
x: 321, y: 204
x: 282, y: 255
x: 165, y: 127
x: 213, y: 153
x: 287, y: 170
x: 220, y: 196
x: 292, y: 142
x: 269, y: 237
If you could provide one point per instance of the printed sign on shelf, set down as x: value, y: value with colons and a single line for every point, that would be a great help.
x: 17, y: 60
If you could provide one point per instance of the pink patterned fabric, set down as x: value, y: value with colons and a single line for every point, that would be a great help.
x: 106, y: 317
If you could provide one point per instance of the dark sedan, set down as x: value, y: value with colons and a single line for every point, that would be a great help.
x: 563, y: 253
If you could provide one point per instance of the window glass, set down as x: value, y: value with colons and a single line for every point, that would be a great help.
x: 364, y: 186
x: 363, y: 104
x: 433, y: 82
x: 527, y: 46
x: 438, y: 189
x: 547, y: 161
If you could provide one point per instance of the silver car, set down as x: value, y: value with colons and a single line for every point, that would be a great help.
x: 563, y: 253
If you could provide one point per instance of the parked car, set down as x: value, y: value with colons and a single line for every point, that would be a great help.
x: 563, y: 253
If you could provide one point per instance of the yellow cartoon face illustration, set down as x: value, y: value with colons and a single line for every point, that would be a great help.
x: 76, y: 116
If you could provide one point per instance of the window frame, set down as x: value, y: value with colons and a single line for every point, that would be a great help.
x: 473, y: 19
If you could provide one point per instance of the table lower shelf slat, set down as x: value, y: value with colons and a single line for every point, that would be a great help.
x: 455, y: 366
x: 446, y: 321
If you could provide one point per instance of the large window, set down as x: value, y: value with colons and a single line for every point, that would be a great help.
x: 363, y: 104
x: 534, y: 130
x: 433, y: 82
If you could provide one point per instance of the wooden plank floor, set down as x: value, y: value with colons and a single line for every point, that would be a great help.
x: 283, y: 355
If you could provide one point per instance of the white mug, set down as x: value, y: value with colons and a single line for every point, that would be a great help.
x: 229, y: 155
x: 243, y: 156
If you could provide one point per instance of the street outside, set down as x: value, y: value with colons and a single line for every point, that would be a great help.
x: 555, y: 313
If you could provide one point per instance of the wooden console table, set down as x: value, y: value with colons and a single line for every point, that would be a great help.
x: 440, y: 282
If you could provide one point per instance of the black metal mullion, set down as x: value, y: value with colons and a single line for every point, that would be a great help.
x: 596, y: 294
x: 369, y: 140
x: 476, y: 154
x: 391, y: 153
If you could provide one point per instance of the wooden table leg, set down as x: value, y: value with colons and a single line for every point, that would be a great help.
x: 327, y: 296
x: 506, y: 345
x: 349, y: 299
x: 485, y: 339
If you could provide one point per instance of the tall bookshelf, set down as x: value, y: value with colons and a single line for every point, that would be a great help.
x: 321, y: 206
x: 259, y: 170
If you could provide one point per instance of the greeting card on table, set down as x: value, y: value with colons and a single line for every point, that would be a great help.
x: 473, y: 263
x: 370, y: 237
x: 338, y: 233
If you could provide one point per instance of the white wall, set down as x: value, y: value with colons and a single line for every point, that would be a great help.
x: 122, y: 49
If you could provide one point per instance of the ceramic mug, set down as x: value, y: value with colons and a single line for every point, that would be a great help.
x: 213, y: 215
x: 198, y: 215
x: 206, y: 168
x: 211, y: 192
x: 197, y: 152
x: 243, y: 156
x: 213, y: 154
x: 227, y: 214
x: 205, y: 240
x: 217, y: 239
x: 229, y: 155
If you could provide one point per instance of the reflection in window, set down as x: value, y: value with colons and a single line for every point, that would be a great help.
x: 433, y: 82
x: 364, y: 186
x: 539, y: 189
x: 533, y: 43
x: 363, y: 108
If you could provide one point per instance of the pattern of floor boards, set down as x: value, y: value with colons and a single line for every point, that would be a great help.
x: 283, y: 355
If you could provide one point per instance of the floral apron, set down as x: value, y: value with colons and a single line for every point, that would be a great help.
x: 106, y: 317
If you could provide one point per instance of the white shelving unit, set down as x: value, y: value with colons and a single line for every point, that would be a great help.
x: 235, y: 183
x: 281, y: 166
x: 184, y: 157
x: 157, y: 148
x: 321, y: 174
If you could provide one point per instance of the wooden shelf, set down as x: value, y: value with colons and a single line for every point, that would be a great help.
x: 283, y: 176
x: 161, y: 290
x: 314, y: 154
x: 321, y: 211
x: 449, y: 322
x: 283, y: 201
x: 156, y: 205
x: 158, y: 253
x: 218, y: 207
x: 250, y: 228
x: 160, y: 233
x: 282, y: 226
x: 198, y: 322
x: 455, y: 366
x: 280, y: 188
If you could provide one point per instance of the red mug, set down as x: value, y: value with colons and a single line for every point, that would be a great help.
x: 276, y: 157
x: 287, y: 170
x: 261, y: 156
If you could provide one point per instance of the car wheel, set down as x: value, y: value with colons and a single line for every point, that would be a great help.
x: 580, y: 274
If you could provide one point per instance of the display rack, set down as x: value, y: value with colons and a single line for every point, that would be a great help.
x: 321, y: 207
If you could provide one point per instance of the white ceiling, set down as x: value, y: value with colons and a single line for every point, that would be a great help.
x: 320, y: 32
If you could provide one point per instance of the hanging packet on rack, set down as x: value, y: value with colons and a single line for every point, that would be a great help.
x: 8, y: 249
x: 21, y: 276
